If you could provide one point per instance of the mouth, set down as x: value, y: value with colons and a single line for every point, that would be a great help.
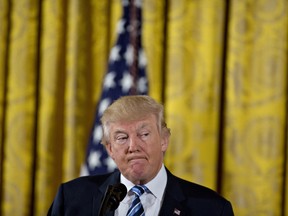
x: 135, y: 159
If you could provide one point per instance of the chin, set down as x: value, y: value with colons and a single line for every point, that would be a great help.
x: 138, y: 174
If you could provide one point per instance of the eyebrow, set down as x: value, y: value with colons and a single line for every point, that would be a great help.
x: 119, y: 131
x: 144, y: 125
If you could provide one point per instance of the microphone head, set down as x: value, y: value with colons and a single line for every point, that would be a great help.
x: 113, y: 196
x: 120, y: 191
x: 116, y: 194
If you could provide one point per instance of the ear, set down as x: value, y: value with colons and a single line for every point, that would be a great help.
x: 164, y: 142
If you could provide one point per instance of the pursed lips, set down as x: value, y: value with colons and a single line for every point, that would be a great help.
x: 135, y: 158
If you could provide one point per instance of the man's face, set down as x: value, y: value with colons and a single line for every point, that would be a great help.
x: 137, y: 148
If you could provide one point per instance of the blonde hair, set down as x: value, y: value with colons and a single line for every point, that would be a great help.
x: 131, y: 108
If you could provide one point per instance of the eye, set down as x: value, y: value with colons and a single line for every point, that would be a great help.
x: 121, y: 138
x: 144, y: 135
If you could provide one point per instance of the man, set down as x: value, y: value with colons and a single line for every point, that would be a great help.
x: 136, y: 137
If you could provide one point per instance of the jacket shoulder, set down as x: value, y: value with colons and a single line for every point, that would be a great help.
x: 87, y: 180
x: 195, y: 198
x: 81, y: 196
x: 89, y: 184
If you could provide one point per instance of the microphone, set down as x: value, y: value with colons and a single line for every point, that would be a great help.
x: 113, y: 196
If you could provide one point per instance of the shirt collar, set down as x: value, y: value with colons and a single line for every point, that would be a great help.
x: 156, y: 185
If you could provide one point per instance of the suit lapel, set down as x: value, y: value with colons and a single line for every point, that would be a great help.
x: 173, y: 198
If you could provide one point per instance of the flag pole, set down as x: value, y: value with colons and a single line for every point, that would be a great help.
x: 134, y: 43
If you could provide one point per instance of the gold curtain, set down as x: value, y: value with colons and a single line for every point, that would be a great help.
x: 219, y: 67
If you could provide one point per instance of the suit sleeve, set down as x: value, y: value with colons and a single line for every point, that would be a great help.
x: 57, y: 207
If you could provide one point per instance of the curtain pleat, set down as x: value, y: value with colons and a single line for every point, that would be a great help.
x: 219, y: 67
x: 21, y: 110
x: 4, y: 26
x: 69, y: 88
x: 154, y: 39
x: 255, y: 116
x: 195, y: 39
x: 50, y: 142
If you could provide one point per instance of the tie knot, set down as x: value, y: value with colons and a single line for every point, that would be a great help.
x: 139, y: 189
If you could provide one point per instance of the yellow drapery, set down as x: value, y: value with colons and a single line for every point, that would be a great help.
x: 219, y: 67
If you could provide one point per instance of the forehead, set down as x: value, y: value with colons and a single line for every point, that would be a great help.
x: 148, y: 121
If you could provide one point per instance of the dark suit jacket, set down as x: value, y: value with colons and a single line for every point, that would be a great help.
x: 83, y: 196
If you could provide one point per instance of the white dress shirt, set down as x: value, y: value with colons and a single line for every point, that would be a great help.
x: 151, y: 201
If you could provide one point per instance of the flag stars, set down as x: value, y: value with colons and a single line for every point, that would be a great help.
x: 97, y: 134
x: 125, y: 2
x: 114, y: 54
x: 129, y: 55
x: 142, y: 85
x: 126, y: 82
x: 94, y: 159
x: 138, y: 3
x: 111, y: 166
x: 109, y: 81
x: 142, y: 59
x: 120, y: 26
x: 103, y: 105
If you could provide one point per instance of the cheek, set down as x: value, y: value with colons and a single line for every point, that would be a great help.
x: 116, y: 153
x: 110, y: 151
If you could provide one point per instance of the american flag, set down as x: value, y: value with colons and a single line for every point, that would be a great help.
x: 126, y: 75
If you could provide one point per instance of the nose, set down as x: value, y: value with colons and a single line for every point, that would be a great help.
x: 133, y: 144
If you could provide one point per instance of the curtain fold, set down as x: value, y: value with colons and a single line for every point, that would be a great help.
x: 219, y: 67
x: 75, y: 43
x: 4, y: 41
x: 21, y: 105
x: 154, y: 38
x: 195, y: 50
x: 50, y: 142
x: 256, y: 107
